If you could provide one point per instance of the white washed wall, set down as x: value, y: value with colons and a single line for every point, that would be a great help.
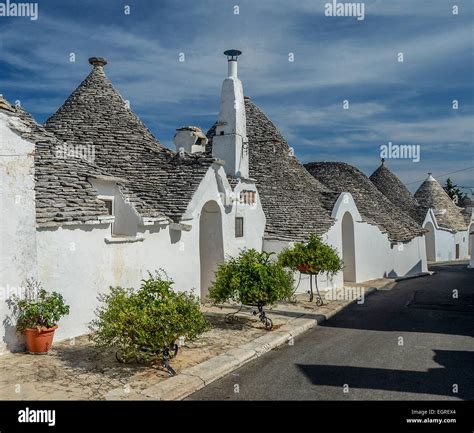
x: 17, y: 226
x: 78, y: 262
x: 375, y: 256
x: 445, y: 241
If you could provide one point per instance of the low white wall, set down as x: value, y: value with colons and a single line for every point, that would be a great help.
x: 78, y: 263
x: 445, y: 241
x: 377, y: 257
x: 446, y: 245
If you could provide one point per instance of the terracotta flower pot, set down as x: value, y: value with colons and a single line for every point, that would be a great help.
x: 39, y: 341
x: 303, y: 268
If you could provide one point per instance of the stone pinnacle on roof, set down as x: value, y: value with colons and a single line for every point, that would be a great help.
x: 97, y: 61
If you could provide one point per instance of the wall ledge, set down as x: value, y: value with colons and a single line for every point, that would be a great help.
x: 123, y: 239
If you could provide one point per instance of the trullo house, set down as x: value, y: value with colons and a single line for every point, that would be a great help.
x: 447, y: 225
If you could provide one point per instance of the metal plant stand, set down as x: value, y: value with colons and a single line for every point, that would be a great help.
x: 147, y: 355
x: 319, y: 299
x: 165, y: 362
x: 268, y: 323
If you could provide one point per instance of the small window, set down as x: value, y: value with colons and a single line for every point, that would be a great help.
x: 248, y: 197
x: 222, y: 132
x: 239, y: 227
x: 109, y: 204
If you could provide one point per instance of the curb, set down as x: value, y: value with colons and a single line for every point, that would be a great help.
x: 192, y: 379
x: 410, y: 277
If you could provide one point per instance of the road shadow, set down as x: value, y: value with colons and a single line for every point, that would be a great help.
x: 425, y: 305
x: 456, y: 369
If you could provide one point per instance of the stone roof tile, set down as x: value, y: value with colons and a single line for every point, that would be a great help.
x: 160, y: 183
x: 373, y: 206
x: 295, y: 203
x: 63, y: 192
x: 392, y: 188
x: 431, y: 194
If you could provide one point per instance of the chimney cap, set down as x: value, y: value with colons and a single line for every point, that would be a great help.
x: 232, y: 54
x: 97, y: 61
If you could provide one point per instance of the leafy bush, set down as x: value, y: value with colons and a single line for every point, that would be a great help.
x: 311, y: 257
x: 149, y: 318
x: 38, y: 308
x: 252, y: 278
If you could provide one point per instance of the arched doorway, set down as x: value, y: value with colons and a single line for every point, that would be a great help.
x: 430, y: 243
x: 348, y: 248
x: 211, y: 246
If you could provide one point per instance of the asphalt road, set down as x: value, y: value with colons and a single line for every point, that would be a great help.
x: 414, y: 342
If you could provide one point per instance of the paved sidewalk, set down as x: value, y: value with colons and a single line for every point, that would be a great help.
x: 76, y: 370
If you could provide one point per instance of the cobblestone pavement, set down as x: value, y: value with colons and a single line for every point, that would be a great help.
x: 76, y: 370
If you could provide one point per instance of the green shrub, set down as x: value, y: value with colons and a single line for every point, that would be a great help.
x: 152, y: 317
x: 252, y: 278
x: 311, y: 257
x: 38, y: 308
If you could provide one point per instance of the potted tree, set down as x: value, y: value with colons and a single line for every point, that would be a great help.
x: 312, y: 257
x: 143, y: 324
x: 38, y: 313
x: 253, y: 279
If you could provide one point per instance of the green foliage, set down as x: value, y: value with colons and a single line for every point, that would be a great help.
x: 252, y: 278
x: 311, y: 257
x: 454, y: 192
x: 37, y: 308
x: 150, y: 318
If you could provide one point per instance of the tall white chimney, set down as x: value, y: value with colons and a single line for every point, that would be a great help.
x: 230, y: 142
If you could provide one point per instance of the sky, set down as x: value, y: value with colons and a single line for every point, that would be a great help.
x: 335, y: 59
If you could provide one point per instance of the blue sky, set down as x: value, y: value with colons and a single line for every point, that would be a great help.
x: 335, y: 59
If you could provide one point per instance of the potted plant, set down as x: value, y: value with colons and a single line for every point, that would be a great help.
x: 144, y: 324
x: 254, y: 279
x: 38, y: 313
x: 312, y: 257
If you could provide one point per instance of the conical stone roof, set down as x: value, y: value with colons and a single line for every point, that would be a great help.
x: 63, y: 193
x: 392, y: 188
x: 160, y: 183
x: 295, y: 204
x: 431, y: 194
x: 373, y: 206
